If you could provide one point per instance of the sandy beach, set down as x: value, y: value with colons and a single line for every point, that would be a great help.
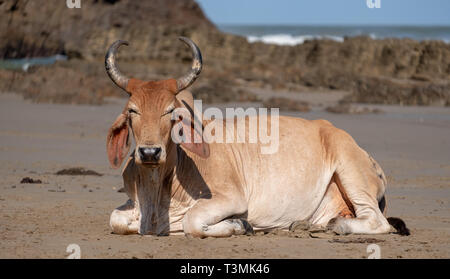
x: 40, y: 220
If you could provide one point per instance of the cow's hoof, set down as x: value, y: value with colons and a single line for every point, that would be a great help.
x: 241, y: 227
x: 338, y: 225
x: 299, y: 226
x: 248, y: 228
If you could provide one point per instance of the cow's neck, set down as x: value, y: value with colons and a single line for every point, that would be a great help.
x: 166, y: 193
x: 152, y: 199
x: 188, y: 185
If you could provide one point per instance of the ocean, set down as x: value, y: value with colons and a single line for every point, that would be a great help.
x: 297, y: 34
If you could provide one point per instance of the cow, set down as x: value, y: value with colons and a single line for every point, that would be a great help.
x: 203, y: 189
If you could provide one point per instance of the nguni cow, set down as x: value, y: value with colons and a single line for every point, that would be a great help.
x: 318, y: 175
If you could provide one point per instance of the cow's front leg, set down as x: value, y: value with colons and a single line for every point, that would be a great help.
x: 125, y: 219
x: 210, y: 218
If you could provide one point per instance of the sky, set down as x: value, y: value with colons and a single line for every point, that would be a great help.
x: 326, y: 12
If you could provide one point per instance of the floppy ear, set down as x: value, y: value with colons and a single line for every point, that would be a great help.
x: 186, y: 99
x: 190, y: 136
x: 117, y: 143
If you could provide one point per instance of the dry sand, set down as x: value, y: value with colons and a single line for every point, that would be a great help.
x: 412, y: 144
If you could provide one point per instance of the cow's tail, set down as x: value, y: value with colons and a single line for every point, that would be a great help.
x: 398, y: 224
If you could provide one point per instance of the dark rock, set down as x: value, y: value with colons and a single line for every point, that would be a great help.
x: 346, y: 108
x: 286, y: 104
x: 356, y: 240
x: 360, y: 64
x: 382, y: 90
x: 30, y: 180
x: 77, y: 171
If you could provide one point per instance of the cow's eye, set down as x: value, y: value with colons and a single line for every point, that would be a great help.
x: 132, y: 111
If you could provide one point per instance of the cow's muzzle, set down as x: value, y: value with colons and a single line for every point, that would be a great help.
x: 150, y: 155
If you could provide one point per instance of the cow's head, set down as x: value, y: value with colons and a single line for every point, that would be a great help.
x: 148, y: 113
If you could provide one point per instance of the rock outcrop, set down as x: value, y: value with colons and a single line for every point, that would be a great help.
x: 372, y: 69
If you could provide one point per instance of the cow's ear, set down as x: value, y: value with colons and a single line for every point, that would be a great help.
x: 189, y: 135
x: 195, y: 144
x: 117, y: 143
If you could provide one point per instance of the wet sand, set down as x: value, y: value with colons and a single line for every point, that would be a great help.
x: 412, y: 144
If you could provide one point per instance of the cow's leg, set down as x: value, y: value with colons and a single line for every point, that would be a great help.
x: 125, y: 219
x: 362, y: 182
x: 209, y: 218
x: 332, y: 205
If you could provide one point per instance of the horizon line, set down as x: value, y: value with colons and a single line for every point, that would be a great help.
x: 334, y: 24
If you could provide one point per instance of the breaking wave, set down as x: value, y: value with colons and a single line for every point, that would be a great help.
x: 289, y: 40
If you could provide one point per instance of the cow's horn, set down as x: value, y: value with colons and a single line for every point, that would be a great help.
x: 186, y: 80
x: 111, y: 68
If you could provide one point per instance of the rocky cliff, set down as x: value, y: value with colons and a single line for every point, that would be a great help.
x: 405, y: 71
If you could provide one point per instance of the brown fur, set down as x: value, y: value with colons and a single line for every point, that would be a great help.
x: 189, y: 191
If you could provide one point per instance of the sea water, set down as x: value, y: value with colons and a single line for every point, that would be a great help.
x: 25, y: 63
x: 297, y: 34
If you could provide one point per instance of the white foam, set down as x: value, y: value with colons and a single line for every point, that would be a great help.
x: 286, y: 39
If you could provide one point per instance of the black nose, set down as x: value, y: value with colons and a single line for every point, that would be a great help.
x: 150, y: 154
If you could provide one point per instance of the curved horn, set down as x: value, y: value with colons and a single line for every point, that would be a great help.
x: 186, y: 80
x: 111, y: 68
